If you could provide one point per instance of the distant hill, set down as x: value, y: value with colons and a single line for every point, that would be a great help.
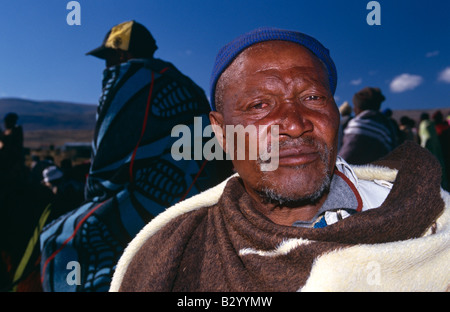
x: 51, y: 123
x: 50, y: 115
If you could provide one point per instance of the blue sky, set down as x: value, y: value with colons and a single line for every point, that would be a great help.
x: 407, y: 56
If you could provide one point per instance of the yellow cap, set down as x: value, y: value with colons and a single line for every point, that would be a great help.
x: 127, y: 36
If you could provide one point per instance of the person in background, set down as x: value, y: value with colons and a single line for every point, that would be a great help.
x: 24, y: 206
x: 69, y: 193
x: 346, y: 115
x: 12, y: 137
x: 369, y: 135
x: 430, y: 140
x: 394, y: 124
x: 133, y: 175
x: 443, y: 133
x: 439, y: 122
x: 37, y: 167
x: 12, y: 165
x: 408, y: 131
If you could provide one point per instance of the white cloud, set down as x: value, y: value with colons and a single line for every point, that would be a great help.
x: 405, y: 82
x: 445, y: 75
x: 356, y: 82
x: 431, y: 54
x: 185, y: 53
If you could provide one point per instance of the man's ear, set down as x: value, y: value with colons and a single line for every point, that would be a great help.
x: 218, y: 126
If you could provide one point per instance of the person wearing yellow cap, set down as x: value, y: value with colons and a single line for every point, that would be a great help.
x: 133, y: 176
x: 125, y: 41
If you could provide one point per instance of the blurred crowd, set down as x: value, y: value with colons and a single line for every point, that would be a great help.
x: 30, y: 197
x: 368, y: 133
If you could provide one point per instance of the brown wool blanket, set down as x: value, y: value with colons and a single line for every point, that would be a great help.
x: 218, y: 241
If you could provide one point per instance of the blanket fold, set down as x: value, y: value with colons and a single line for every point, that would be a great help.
x: 230, y: 246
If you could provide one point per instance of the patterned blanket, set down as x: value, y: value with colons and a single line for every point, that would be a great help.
x: 133, y: 176
x: 367, y: 137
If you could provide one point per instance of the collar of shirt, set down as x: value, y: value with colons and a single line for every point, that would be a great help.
x: 347, y: 195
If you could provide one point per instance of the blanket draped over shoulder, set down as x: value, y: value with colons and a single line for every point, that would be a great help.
x: 133, y: 176
x: 367, y: 137
x: 217, y: 241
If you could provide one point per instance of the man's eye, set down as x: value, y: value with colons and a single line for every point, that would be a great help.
x: 313, y: 98
x: 259, y: 105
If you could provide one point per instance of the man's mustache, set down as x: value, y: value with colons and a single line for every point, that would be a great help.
x: 298, y: 143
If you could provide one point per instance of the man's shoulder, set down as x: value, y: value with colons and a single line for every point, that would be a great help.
x: 160, y: 237
x: 162, y: 66
x: 171, y: 72
x: 188, y: 213
x: 405, y: 153
x: 191, y: 208
x: 406, y: 157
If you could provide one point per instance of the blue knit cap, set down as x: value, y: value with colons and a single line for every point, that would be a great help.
x: 229, y: 52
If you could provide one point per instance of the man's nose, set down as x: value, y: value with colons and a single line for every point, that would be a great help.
x: 294, y: 120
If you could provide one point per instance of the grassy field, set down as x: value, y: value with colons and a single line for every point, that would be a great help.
x: 45, y: 143
x: 45, y: 138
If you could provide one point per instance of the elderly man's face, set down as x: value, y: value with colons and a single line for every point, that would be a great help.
x: 282, y: 83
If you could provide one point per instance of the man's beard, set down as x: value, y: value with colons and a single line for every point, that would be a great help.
x: 270, y: 194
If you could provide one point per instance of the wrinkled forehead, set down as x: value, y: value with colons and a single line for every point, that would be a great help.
x: 230, y: 51
x: 264, y: 55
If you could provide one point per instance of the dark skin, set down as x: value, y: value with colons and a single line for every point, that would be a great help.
x: 282, y: 83
x: 116, y: 57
